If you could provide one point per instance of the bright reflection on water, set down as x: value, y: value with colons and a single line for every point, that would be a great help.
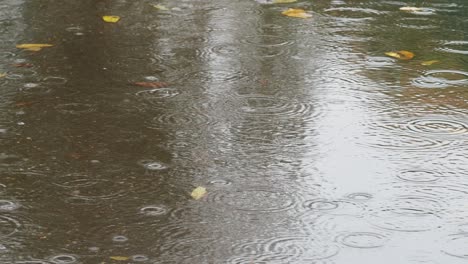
x: 313, y: 145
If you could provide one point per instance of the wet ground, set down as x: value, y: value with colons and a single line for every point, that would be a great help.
x: 314, y: 146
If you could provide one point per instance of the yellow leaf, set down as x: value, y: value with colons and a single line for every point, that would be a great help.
x: 111, y: 19
x: 401, y: 54
x: 198, y: 193
x: 119, y: 258
x: 33, y: 47
x: 296, y: 12
x: 410, y: 9
x: 160, y: 7
x: 429, y: 63
x: 2, y: 74
x: 283, y: 1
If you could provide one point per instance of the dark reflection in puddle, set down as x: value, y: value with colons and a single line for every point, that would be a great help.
x: 313, y: 146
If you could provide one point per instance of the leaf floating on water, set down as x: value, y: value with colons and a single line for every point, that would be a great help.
x: 153, y: 84
x: 411, y: 9
x: 198, y: 193
x: 2, y: 74
x: 119, y: 258
x: 33, y: 47
x: 429, y: 63
x: 296, y: 12
x: 23, y: 65
x: 111, y: 19
x: 283, y: 1
x: 401, y: 54
x: 160, y: 7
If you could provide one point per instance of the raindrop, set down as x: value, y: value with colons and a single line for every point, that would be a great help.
x: 157, y: 93
x: 154, y: 210
x: 119, y: 239
x: 220, y: 182
x: 360, y: 196
x: 140, y: 258
x: 6, y: 205
x: 151, y: 78
x: 321, y: 205
x: 31, y: 85
x: 63, y: 259
x: 54, y: 80
x: 153, y: 165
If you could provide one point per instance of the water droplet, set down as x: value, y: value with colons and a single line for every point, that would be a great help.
x: 153, y: 165
x: 154, y: 210
x: 360, y: 196
x: 140, y: 258
x: 6, y: 205
x: 119, y: 239
x: 63, y: 259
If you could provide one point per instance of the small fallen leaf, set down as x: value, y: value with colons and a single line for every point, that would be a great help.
x: 429, y: 63
x: 23, y: 65
x: 296, y: 12
x: 283, y: 1
x: 401, y: 54
x: 119, y: 258
x: 160, y: 7
x: 410, y: 9
x: 152, y: 84
x: 2, y: 74
x: 22, y: 104
x: 111, y: 19
x: 33, y: 47
x: 198, y: 193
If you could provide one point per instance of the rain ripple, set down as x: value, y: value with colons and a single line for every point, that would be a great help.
x: 9, y: 226
x: 363, y: 240
x: 456, y: 246
x: 419, y: 176
x: 258, y: 105
x: 442, y: 79
x: 81, y: 189
x: 255, y: 200
x: 283, y: 249
x: 437, y: 127
x: 354, y: 13
x: 336, y: 207
x: 409, y: 214
x: 63, y: 259
x: 457, y: 47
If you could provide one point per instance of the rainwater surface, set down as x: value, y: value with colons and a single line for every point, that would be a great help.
x: 313, y: 145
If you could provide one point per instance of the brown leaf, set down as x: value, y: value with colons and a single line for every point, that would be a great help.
x: 22, y: 104
x: 23, y: 65
x: 152, y: 84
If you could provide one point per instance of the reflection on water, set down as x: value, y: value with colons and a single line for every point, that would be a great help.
x: 313, y: 145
